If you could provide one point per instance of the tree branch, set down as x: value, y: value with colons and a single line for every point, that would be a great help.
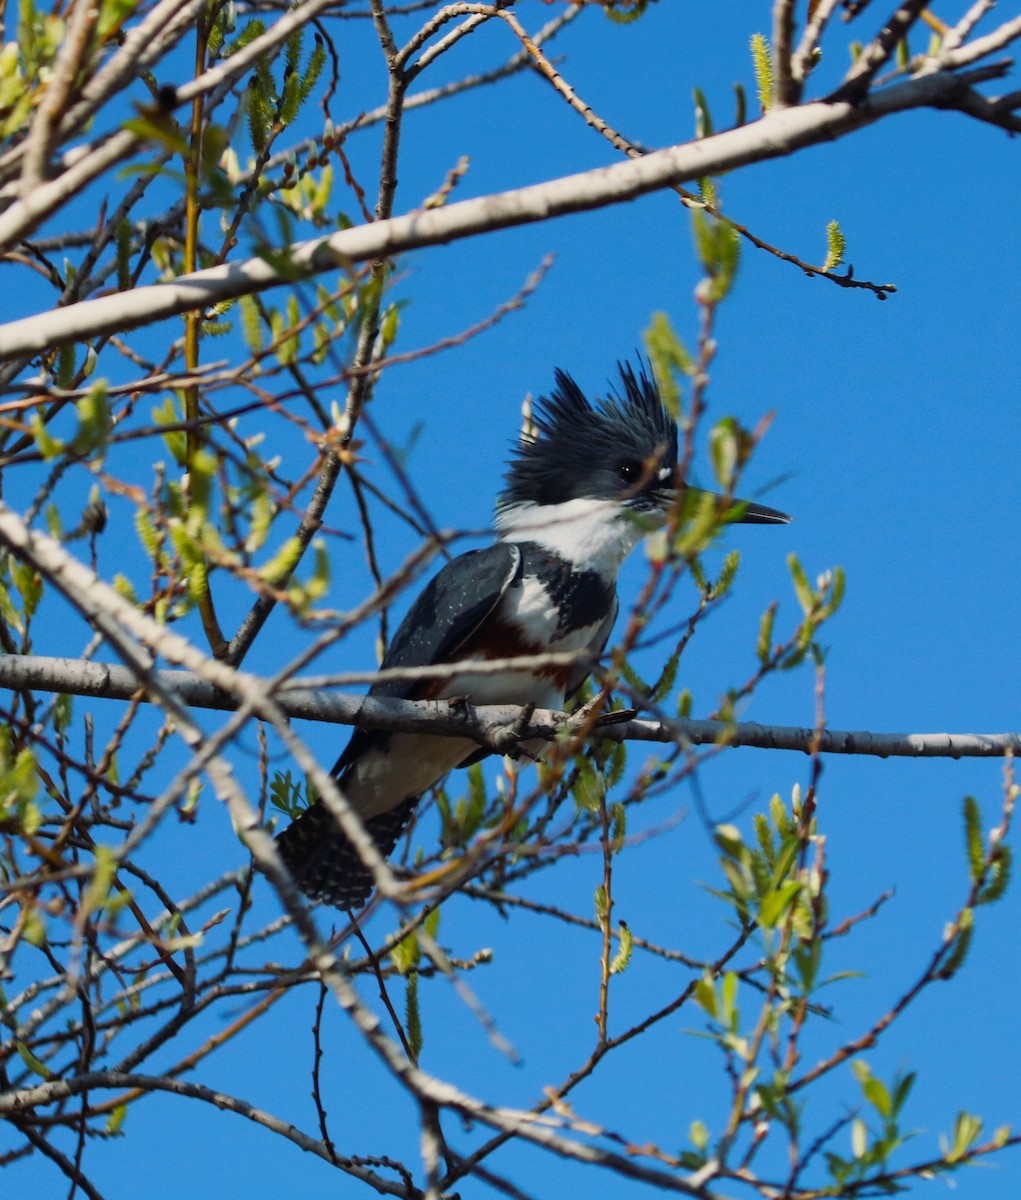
x: 493, y: 725
x: 780, y: 132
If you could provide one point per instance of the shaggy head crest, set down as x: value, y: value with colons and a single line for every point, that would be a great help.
x: 623, y: 446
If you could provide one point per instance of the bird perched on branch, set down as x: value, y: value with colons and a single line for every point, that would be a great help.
x: 584, y: 486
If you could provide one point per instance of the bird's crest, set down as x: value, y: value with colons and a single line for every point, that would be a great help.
x: 572, y: 441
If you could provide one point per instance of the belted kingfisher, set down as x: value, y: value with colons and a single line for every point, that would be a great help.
x: 584, y: 486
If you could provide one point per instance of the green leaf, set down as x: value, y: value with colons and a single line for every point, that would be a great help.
x: 877, y: 1095
x: 158, y: 129
x: 998, y: 875
x: 103, y: 872
x: 728, y: 1001
x: 859, y: 1138
x: 872, y: 1088
x: 175, y: 440
x: 389, y: 326
x: 703, y: 118
x: 280, y: 566
x: 764, y: 647
x: 704, y: 230
x: 723, y: 451
x: 251, y: 325
x: 405, y: 954
x: 94, y: 419
x: 19, y: 785
x: 836, y: 597
x: 413, y: 1017
x: 64, y: 373
x: 62, y: 713
x: 802, y: 588
x: 764, y: 835
x: 29, y: 585
x: 776, y: 903
x: 201, y: 473
x: 903, y: 54
x: 34, y: 928
x: 286, y: 795
x: 902, y: 1086
x: 973, y: 838
x: 116, y: 1119
x: 49, y: 447
x: 670, y: 360
x: 35, y: 1065
x: 705, y: 994
x: 147, y: 534
x: 960, y: 944
x: 261, y: 512
x: 618, y: 827
x: 966, y: 1131
x: 470, y: 813
x: 740, y: 105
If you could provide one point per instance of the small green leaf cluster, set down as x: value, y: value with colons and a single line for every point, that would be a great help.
x: 19, y: 786
x: 989, y: 865
x: 766, y: 883
x: 18, y: 609
x: 706, y: 127
x: 93, y: 414
x: 220, y: 514
x: 291, y: 796
x: 308, y: 195
x: 871, y: 1150
x: 989, y: 868
x: 271, y: 109
x: 99, y: 897
x: 649, y: 693
x: 819, y: 602
x: 462, y: 822
x: 334, y: 313
x: 25, y: 65
x: 718, y: 245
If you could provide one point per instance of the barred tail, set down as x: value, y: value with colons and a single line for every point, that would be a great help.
x: 323, y: 862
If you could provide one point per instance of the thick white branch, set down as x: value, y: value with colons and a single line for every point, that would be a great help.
x: 778, y: 133
x: 495, y: 725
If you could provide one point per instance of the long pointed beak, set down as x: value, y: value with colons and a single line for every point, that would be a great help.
x: 737, y: 512
x: 747, y: 513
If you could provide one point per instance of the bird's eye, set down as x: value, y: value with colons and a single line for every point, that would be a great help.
x: 630, y: 472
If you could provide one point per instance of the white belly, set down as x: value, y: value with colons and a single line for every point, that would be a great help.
x: 412, y: 763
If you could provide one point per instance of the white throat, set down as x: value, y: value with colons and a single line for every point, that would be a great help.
x: 593, y: 535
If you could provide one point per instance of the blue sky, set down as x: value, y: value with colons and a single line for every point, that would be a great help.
x: 895, y: 438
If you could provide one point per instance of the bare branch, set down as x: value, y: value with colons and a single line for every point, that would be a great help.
x: 778, y: 133
x: 493, y: 725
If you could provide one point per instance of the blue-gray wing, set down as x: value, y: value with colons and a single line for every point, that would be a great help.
x: 445, y: 616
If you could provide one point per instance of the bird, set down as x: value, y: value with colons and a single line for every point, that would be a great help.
x: 585, y: 483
